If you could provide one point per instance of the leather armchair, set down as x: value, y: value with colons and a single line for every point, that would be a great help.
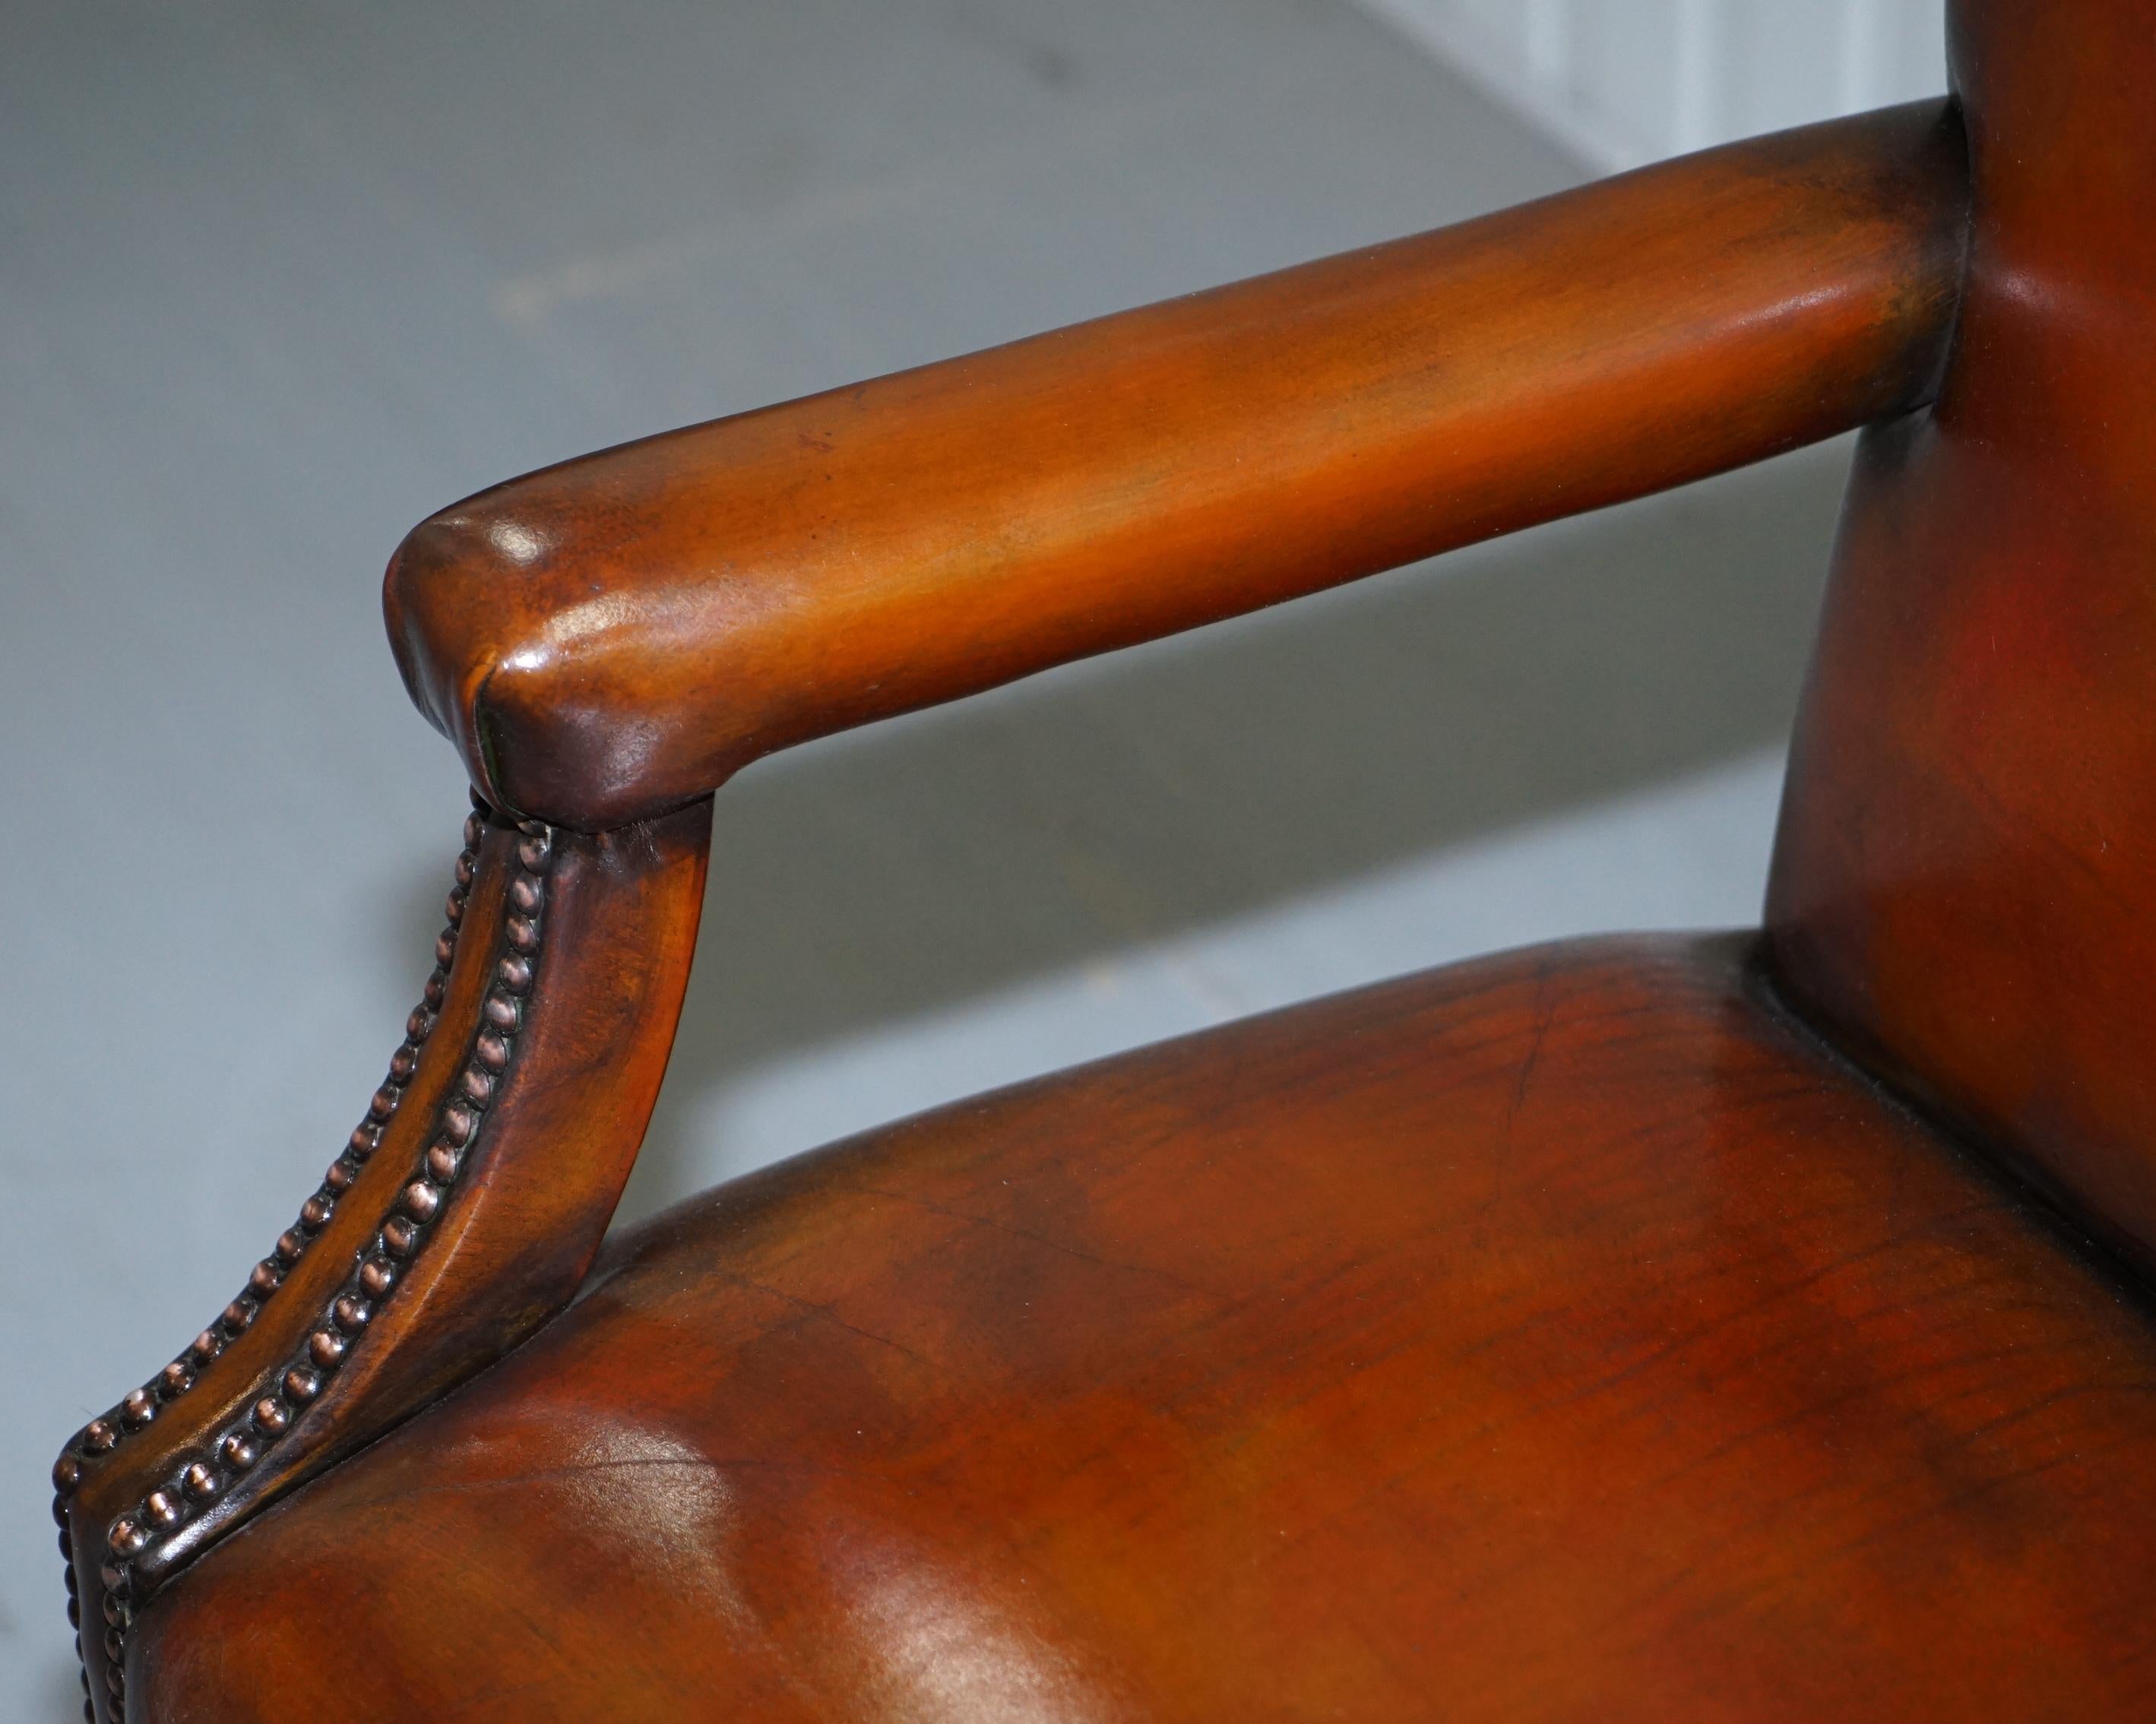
x: 1748, y: 1325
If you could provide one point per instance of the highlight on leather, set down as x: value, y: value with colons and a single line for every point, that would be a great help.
x: 615, y: 636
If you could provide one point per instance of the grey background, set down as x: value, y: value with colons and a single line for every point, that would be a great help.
x: 276, y: 279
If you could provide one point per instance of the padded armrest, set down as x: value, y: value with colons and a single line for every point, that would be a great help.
x: 618, y: 635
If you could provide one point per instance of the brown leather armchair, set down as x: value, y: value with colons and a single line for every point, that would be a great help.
x: 1737, y: 1327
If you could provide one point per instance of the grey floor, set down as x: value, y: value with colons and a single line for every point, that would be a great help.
x: 277, y: 279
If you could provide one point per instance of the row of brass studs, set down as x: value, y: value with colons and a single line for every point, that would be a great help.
x: 194, y: 1487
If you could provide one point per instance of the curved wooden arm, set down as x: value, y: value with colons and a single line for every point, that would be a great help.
x: 617, y: 635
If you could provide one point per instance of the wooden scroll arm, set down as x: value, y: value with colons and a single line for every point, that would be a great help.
x: 615, y: 636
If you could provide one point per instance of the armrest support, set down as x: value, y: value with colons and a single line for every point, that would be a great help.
x: 618, y: 635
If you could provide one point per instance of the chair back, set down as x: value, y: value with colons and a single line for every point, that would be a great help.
x: 1964, y: 885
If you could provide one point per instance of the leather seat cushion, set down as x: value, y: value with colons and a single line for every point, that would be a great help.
x: 1564, y: 1336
